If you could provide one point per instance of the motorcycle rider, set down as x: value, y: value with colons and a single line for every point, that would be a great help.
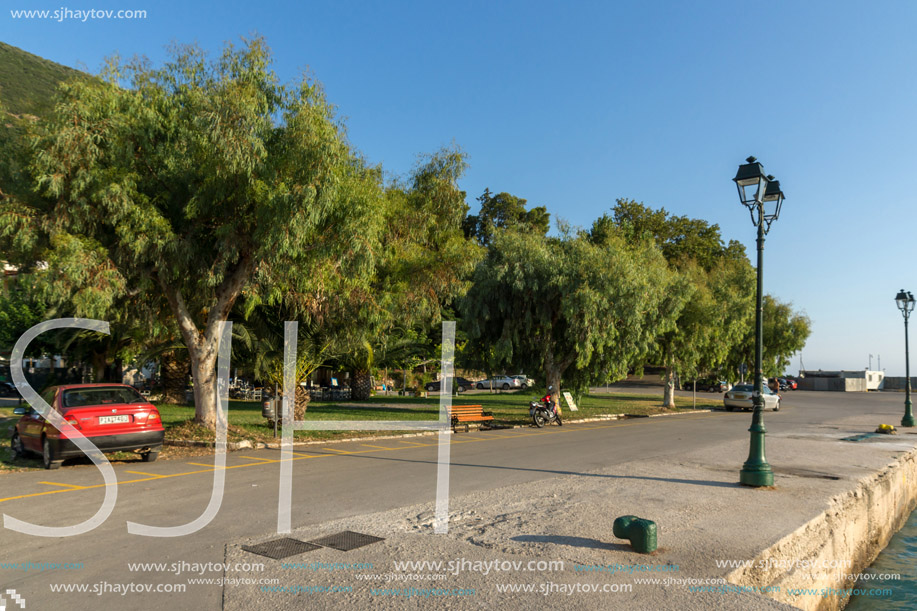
x: 548, y: 400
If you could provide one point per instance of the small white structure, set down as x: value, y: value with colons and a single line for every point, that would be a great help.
x: 844, y: 381
x: 874, y: 379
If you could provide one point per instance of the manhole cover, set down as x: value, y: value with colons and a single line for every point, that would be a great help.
x: 346, y: 541
x: 280, y: 548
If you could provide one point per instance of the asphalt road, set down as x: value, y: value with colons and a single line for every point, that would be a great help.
x: 330, y: 481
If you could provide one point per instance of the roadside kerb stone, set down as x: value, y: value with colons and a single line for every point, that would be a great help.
x: 247, y: 443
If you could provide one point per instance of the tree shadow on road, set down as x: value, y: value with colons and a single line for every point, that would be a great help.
x: 673, y: 480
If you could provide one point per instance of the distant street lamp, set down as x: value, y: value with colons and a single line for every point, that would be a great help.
x: 905, y: 303
x: 762, y: 196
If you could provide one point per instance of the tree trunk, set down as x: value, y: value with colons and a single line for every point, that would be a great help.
x: 360, y: 384
x: 668, y: 398
x: 173, y: 373
x: 98, y: 366
x: 204, y: 374
x: 552, y: 373
x: 202, y: 345
x: 115, y: 372
x: 300, y: 404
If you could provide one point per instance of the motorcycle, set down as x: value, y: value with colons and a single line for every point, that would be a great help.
x: 542, y: 414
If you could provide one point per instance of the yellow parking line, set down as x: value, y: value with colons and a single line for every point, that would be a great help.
x: 70, y: 486
x: 300, y: 456
x: 142, y: 473
x: 259, y: 458
x: 200, y: 464
x: 369, y: 445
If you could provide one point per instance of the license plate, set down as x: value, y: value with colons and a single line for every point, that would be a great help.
x: 114, y: 419
x: 740, y: 396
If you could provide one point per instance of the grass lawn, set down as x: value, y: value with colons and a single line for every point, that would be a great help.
x: 245, y: 421
x: 509, y: 408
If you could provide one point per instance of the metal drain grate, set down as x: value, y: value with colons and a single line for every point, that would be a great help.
x: 346, y: 541
x: 279, y: 549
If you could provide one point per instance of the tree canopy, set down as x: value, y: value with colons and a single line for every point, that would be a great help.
x: 505, y: 211
x: 785, y: 334
x: 714, y: 294
x: 191, y: 183
x: 569, y: 308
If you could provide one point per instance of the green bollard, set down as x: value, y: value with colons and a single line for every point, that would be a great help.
x: 640, y: 532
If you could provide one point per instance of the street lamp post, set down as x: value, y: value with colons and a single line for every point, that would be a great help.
x: 762, y: 196
x: 905, y: 303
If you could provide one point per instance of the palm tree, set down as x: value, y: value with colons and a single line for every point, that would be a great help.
x: 262, y: 337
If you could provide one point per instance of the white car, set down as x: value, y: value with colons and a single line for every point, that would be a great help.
x: 741, y: 397
x: 501, y: 382
x: 524, y: 381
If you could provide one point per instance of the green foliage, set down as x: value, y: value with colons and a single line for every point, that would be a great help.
x: 567, y: 307
x: 785, y: 334
x: 714, y: 318
x: 714, y: 294
x: 424, y: 264
x: 19, y: 311
x: 258, y: 344
x: 505, y: 211
x: 426, y: 261
x: 198, y: 180
x: 682, y: 239
x: 28, y: 82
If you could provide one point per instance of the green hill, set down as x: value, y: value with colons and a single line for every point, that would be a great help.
x: 28, y: 82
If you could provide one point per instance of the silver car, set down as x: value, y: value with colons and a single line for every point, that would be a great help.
x: 524, y: 381
x: 741, y: 397
x: 501, y: 382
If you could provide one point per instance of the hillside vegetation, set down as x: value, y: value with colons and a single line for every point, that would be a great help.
x: 28, y: 82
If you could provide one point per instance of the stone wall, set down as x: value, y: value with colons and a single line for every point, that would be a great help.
x: 842, y: 541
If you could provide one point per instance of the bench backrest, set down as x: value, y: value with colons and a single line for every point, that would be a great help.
x: 456, y: 410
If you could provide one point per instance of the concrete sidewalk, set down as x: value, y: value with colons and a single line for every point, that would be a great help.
x: 705, y: 519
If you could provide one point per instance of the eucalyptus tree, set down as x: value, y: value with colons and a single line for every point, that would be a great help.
x: 579, y: 311
x: 190, y: 183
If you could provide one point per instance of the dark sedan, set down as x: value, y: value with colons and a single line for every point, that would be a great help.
x: 458, y: 385
x: 707, y: 385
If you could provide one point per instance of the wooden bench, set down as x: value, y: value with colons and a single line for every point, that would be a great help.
x: 467, y: 414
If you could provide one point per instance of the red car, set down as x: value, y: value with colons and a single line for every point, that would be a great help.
x: 115, y: 417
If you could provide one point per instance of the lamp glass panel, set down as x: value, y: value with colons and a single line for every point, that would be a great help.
x: 772, y: 208
x: 751, y: 190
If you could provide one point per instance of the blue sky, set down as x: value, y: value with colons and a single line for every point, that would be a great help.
x: 574, y: 105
